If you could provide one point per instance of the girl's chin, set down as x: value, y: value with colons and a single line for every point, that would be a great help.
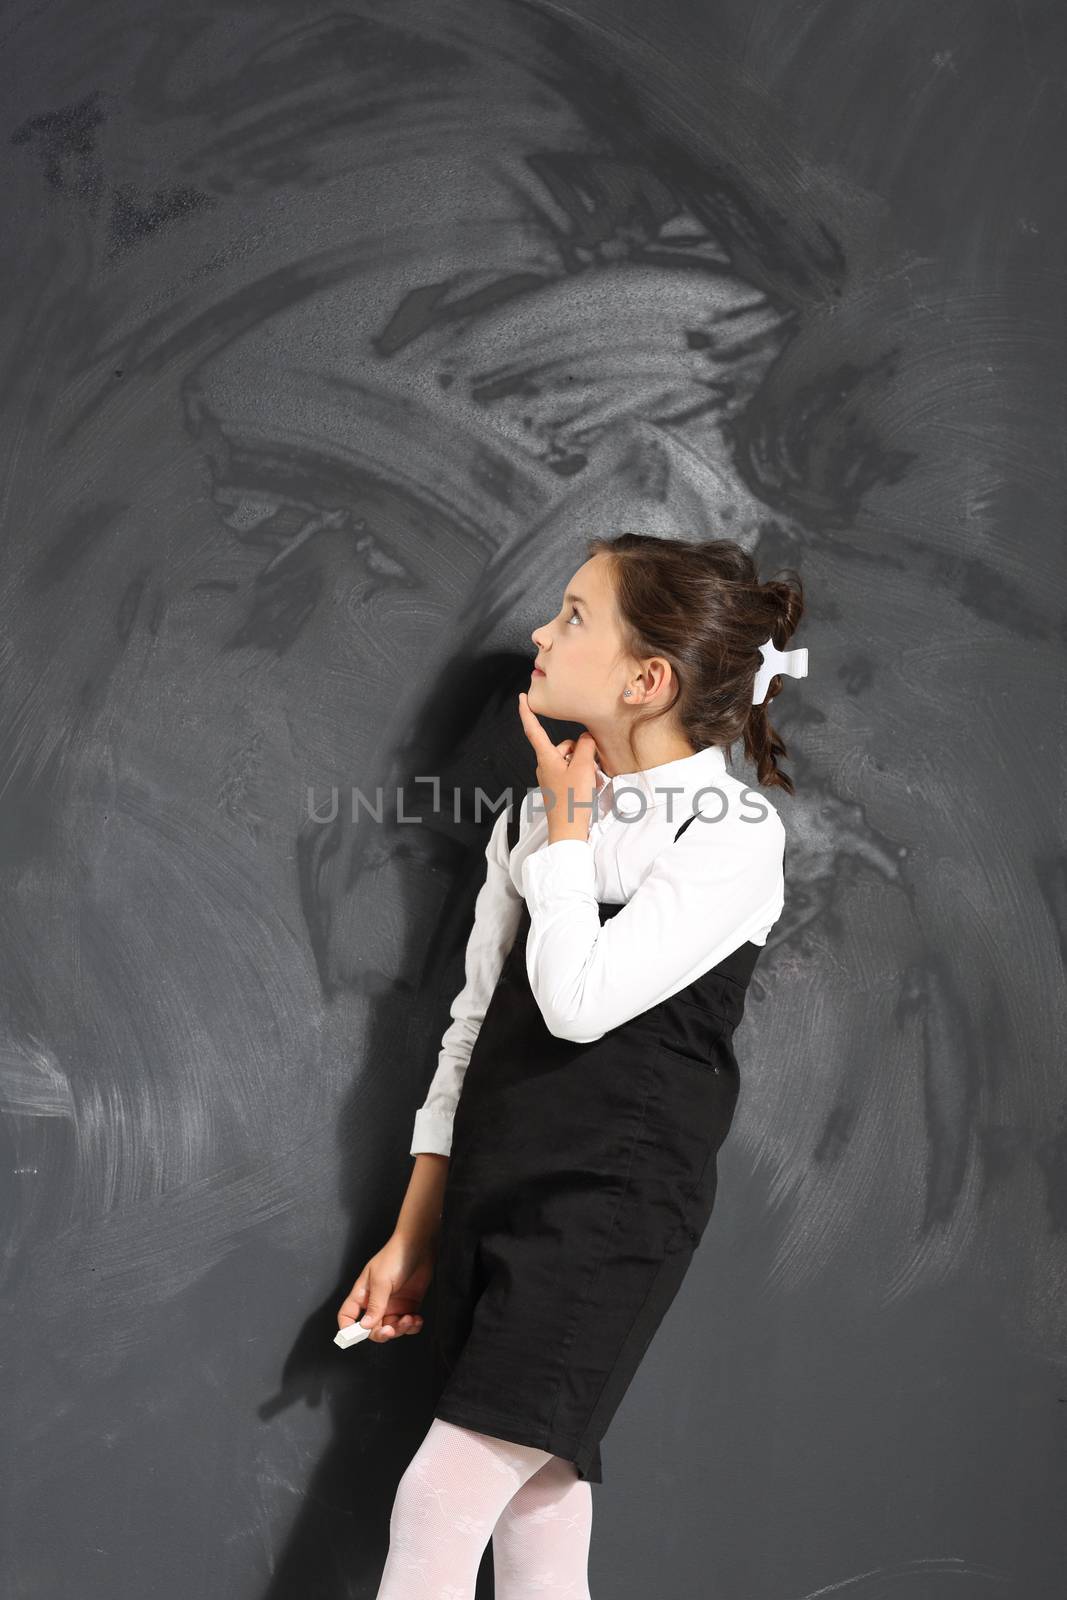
x: 546, y: 704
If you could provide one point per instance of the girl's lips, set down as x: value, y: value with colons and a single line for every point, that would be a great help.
x: 537, y: 673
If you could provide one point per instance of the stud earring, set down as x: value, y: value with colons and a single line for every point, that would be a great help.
x: 626, y: 691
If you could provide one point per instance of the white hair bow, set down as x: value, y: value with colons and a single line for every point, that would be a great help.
x: 794, y: 663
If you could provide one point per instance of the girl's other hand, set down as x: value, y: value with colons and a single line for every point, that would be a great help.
x: 387, y: 1294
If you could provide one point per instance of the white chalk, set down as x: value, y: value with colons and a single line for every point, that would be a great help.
x: 351, y: 1335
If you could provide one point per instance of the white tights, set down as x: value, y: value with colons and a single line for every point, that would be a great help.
x: 462, y: 1488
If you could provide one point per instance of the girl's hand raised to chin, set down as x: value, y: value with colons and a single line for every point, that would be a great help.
x: 567, y: 776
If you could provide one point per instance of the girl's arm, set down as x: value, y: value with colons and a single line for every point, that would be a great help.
x: 496, y: 919
x: 419, y: 1221
x: 704, y: 895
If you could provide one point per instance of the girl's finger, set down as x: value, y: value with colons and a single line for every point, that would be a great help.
x: 534, y: 731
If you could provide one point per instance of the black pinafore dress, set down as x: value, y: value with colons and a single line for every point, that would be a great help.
x: 580, y: 1181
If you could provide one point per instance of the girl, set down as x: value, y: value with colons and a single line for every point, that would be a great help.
x: 565, y: 1156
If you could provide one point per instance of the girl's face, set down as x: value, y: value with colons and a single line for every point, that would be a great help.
x: 581, y: 651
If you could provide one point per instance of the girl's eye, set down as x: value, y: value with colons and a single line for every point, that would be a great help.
x: 574, y: 613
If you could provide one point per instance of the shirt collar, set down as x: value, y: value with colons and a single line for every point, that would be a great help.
x: 687, y: 773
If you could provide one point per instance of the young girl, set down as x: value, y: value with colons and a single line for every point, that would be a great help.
x: 565, y: 1156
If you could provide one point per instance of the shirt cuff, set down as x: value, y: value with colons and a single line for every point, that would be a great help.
x: 563, y: 870
x: 432, y: 1133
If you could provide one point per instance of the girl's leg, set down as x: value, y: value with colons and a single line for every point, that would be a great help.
x: 447, y: 1502
x: 541, y: 1540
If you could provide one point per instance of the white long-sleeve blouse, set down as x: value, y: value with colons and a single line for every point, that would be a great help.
x: 688, y: 904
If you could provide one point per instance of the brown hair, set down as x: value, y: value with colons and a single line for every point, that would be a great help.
x: 702, y: 607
